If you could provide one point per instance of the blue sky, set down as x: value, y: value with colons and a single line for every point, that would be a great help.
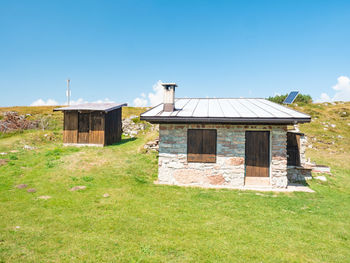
x: 120, y: 49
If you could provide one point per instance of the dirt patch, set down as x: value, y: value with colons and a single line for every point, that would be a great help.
x: 31, y: 190
x: 44, y: 197
x: 84, y: 160
x: 3, y: 161
x: 21, y: 186
x: 79, y: 187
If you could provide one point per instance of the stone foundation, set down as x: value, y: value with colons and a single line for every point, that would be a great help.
x: 298, y: 174
x: 229, y: 169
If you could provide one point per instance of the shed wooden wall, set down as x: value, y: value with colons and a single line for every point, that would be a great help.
x: 93, y: 127
x: 113, y: 127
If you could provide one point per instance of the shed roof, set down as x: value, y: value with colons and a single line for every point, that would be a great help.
x: 225, y: 110
x: 106, y: 107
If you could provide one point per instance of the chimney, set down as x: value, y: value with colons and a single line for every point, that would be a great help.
x: 169, y: 96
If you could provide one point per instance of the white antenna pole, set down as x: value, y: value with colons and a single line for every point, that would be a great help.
x: 68, y: 92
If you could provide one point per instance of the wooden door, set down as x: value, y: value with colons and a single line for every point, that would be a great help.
x: 293, y: 149
x: 70, y: 127
x: 97, y: 129
x: 83, y: 127
x: 257, y: 153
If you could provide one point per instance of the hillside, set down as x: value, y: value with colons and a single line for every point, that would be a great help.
x: 139, y: 221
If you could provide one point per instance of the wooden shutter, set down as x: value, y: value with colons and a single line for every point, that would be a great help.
x: 293, y: 149
x: 201, y: 145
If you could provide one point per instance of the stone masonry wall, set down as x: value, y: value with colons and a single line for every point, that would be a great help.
x: 229, y: 170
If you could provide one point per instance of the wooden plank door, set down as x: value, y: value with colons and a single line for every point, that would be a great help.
x: 70, y: 129
x: 293, y: 149
x: 97, y: 128
x: 257, y: 153
x: 83, y: 127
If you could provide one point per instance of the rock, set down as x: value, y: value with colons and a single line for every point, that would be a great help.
x: 18, y: 227
x: 12, y: 121
x: 340, y: 137
x: 309, y: 146
x: 152, y: 145
x: 325, y: 129
x: 45, y: 197
x: 333, y: 125
x: 14, y: 151
x: 132, y: 126
x: 106, y: 195
x: 31, y: 190
x: 79, y: 187
x: 321, y: 178
x: 321, y: 169
x: 3, y: 153
x: 21, y: 186
x: 27, y: 147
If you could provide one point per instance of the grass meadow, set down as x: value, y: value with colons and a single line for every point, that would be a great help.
x: 144, y: 222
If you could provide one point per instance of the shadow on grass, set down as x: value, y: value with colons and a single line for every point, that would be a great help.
x: 125, y: 140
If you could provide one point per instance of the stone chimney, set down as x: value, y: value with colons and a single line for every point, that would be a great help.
x: 169, y: 96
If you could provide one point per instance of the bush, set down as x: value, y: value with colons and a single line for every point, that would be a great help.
x: 301, y: 98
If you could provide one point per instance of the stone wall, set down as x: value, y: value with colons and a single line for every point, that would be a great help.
x: 298, y: 174
x: 228, y: 171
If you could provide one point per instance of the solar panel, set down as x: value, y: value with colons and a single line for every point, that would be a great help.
x: 291, y: 97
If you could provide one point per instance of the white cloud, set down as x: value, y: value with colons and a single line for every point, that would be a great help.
x: 154, y: 98
x: 51, y: 102
x: 106, y: 100
x: 41, y: 102
x: 76, y: 102
x: 323, y: 98
x: 342, y: 89
x: 140, y: 102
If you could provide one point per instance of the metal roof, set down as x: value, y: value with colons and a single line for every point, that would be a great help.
x: 106, y: 107
x: 221, y: 110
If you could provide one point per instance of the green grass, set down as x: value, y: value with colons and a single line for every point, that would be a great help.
x: 144, y: 222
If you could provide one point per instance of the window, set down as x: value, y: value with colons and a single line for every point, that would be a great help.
x: 201, y: 146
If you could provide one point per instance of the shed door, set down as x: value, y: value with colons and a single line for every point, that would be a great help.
x: 83, y: 127
x: 257, y: 153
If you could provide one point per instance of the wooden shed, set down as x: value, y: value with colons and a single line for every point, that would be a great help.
x: 92, y: 124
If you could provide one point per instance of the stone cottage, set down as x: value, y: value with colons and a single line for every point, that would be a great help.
x: 222, y: 142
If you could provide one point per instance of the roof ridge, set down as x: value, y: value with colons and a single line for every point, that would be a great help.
x: 222, y: 98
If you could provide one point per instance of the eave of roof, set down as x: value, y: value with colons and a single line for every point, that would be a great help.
x: 105, y: 107
x: 159, y: 119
